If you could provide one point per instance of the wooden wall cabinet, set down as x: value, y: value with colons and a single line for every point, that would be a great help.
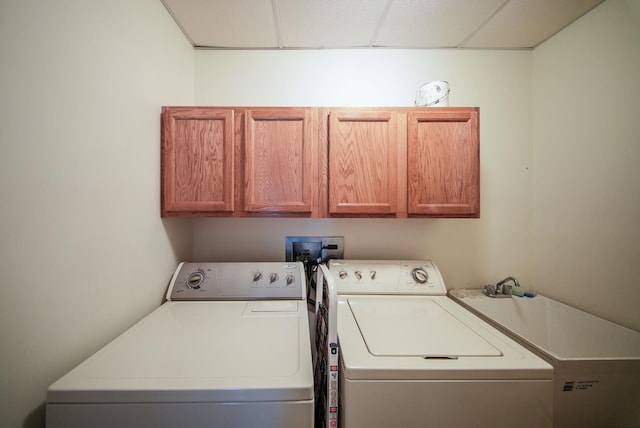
x: 443, y: 163
x: 280, y: 161
x: 239, y: 161
x: 404, y: 162
x: 197, y: 161
x: 364, y: 165
x: 320, y: 162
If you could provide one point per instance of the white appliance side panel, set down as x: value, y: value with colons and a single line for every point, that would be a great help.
x: 289, y: 414
x: 594, y: 394
x: 450, y: 404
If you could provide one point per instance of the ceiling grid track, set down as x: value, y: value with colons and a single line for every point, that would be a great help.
x: 372, y: 24
x: 474, y: 32
x: 276, y: 23
x: 383, y: 17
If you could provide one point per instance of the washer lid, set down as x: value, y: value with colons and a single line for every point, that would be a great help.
x: 408, y: 327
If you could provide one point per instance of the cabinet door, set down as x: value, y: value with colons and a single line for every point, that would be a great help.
x: 363, y: 162
x: 443, y: 163
x: 197, y: 161
x: 280, y: 165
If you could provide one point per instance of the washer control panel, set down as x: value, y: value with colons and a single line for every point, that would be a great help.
x: 387, y: 277
x: 238, y: 281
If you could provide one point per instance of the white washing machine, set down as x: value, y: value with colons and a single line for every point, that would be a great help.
x: 411, y: 357
x: 230, y: 348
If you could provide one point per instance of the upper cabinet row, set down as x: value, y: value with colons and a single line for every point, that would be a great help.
x: 320, y: 162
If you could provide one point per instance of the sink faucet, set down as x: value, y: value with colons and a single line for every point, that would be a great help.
x: 501, y: 284
x: 504, y: 289
x: 501, y: 289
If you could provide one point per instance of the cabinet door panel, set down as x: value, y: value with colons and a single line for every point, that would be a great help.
x: 363, y: 162
x: 197, y: 161
x: 443, y: 164
x: 280, y: 160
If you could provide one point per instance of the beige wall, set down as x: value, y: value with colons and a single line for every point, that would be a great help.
x: 468, y: 252
x: 564, y: 114
x: 84, y: 254
x: 586, y: 145
x: 83, y: 251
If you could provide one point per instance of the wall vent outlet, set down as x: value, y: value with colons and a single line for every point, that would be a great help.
x: 313, y: 249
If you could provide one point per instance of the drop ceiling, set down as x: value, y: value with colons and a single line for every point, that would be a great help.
x: 429, y: 24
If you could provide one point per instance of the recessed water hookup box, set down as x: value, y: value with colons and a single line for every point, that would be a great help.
x: 314, y: 249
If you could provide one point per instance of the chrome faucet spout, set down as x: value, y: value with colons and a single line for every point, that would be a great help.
x: 507, y: 279
x: 501, y: 289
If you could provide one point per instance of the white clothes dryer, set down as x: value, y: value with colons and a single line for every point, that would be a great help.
x: 412, y: 357
x: 230, y: 348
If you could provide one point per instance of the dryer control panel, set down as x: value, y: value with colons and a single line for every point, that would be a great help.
x: 238, y: 281
x: 420, y: 277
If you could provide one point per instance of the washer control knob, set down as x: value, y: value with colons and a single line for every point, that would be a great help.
x: 420, y: 275
x: 342, y: 274
x: 273, y: 278
x: 257, y: 276
x: 358, y: 275
x: 194, y: 280
x: 373, y: 274
x: 290, y: 279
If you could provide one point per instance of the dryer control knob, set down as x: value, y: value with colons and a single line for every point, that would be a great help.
x: 342, y: 274
x: 420, y: 275
x: 290, y: 280
x: 257, y: 276
x: 358, y: 274
x: 194, y: 280
x: 273, y: 278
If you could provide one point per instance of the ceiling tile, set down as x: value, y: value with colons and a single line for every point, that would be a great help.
x: 527, y: 23
x: 328, y: 23
x: 232, y: 24
x: 271, y: 24
x: 434, y: 23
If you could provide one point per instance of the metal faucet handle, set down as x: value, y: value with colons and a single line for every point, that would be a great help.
x: 501, y: 289
x: 489, y: 290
